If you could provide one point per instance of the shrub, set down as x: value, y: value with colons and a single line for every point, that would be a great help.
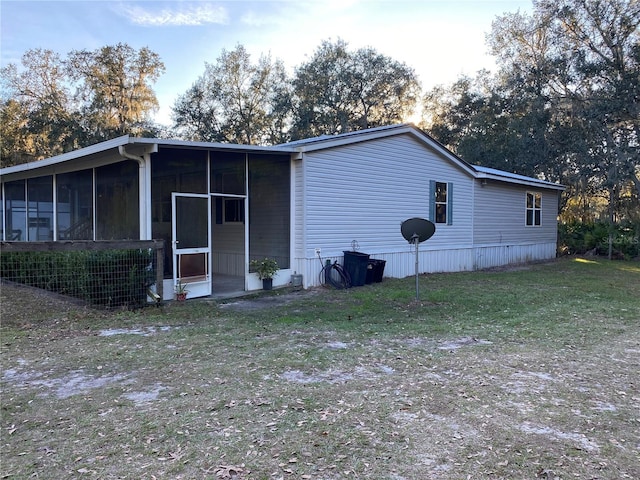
x: 580, y: 238
x: 111, y: 278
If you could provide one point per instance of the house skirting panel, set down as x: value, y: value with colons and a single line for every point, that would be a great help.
x: 403, y: 264
x: 496, y: 256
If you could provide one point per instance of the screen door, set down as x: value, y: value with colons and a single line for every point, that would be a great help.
x: 191, y: 214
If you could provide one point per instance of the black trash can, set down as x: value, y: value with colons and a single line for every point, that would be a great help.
x: 370, y: 268
x: 377, y: 269
x: 355, y: 264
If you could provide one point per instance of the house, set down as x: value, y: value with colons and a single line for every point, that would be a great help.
x: 218, y: 206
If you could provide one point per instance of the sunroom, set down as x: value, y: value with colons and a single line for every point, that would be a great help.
x: 216, y: 206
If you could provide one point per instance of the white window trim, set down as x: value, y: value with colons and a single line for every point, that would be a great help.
x: 532, y: 209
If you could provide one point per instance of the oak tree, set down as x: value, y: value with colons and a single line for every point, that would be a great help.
x: 236, y: 101
x: 339, y: 90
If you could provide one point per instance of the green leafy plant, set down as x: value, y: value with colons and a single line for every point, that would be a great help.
x: 579, y: 238
x: 114, y: 278
x: 265, y: 268
x: 181, y: 288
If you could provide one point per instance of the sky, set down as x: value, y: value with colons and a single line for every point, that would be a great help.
x: 440, y: 39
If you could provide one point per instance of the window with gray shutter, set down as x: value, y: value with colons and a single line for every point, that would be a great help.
x: 441, y: 205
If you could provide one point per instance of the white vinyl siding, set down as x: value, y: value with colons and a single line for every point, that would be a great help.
x: 500, y: 216
x: 364, y: 191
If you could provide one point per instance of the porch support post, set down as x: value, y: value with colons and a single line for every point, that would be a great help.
x: 145, y: 197
x: 144, y: 184
x: 245, y: 274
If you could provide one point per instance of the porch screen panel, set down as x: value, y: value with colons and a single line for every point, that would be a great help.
x: 269, y: 208
x: 15, y: 211
x: 40, y: 209
x: 173, y: 170
x: 228, y: 173
x: 117, y: 205
x: 75, y: 205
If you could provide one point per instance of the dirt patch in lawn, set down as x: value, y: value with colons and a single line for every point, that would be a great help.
x: 268, y: 300
x: 384, y: 409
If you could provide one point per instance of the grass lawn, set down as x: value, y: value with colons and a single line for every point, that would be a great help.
x: 521, y: 373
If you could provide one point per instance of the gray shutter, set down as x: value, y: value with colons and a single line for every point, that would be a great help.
x: 449, y: 203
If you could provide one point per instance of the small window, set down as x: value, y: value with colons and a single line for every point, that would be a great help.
x: 534, y: 209
x: 441, y: 203
x: 233, y: 210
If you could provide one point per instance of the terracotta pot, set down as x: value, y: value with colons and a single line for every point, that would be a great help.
x: 181, y: 297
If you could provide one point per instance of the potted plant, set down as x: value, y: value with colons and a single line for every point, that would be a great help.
x: 265, y: 269
x: 181, y: 291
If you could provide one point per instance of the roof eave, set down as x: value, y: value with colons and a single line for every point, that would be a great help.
x: 115, y: 143
x: 521, y: 181
x: 83, y: 152
x: 332, y: 141
x: 215, y: 145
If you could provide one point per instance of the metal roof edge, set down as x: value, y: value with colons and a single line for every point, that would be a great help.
x: 96, y: 148
x: 504, y: 176
x: 329, y: 141
x: 129, y: 140
x: 429, y: 140
x: 216, y: 145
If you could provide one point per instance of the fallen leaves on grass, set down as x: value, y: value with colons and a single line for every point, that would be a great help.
x: 230, y: 471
